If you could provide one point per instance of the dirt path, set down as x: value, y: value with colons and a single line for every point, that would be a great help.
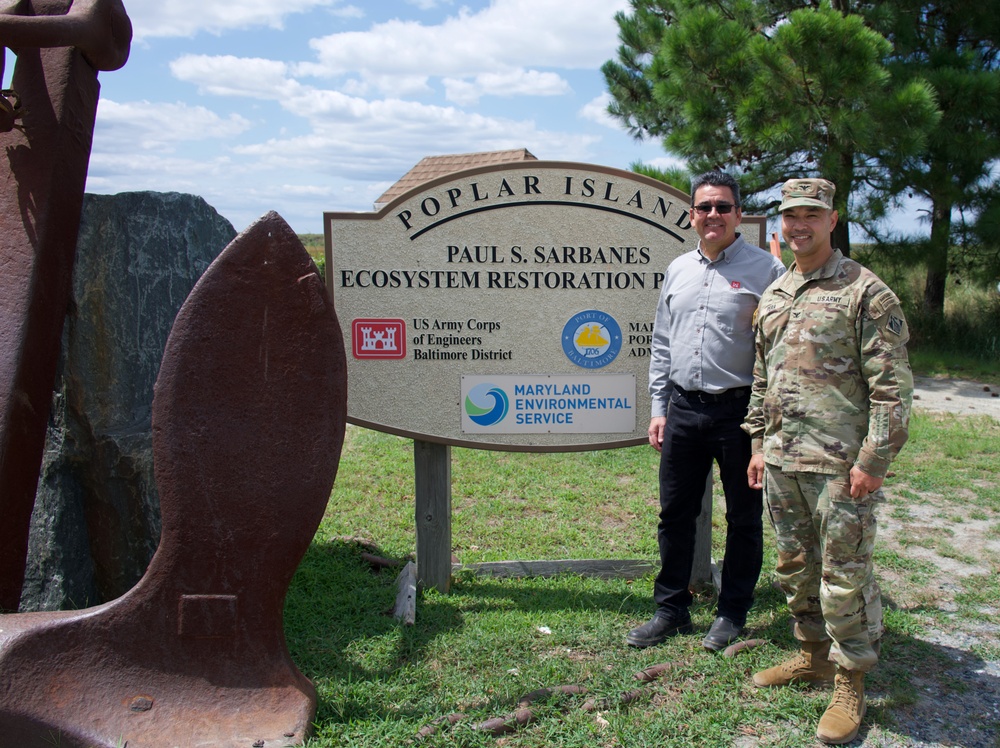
x: 956, y: 396
x: 958, y: 703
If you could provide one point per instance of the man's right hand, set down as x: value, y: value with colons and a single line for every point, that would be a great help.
x: 755, y: 472
x: 657, y: 424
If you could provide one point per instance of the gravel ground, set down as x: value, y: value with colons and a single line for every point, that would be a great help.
x: 962, y: 706
x: 956, y: 396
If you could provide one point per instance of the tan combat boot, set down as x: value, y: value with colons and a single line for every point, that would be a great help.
x: 809, y: 665
x: 842, y: 719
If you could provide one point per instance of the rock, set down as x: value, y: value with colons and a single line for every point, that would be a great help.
x: 96, y: 520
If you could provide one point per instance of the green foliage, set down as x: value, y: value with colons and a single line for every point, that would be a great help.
x: 314, y: 244
x: 674, y: 176
x: 977, y: 255
x: 771, y: 90
x: 965, y: 339
x: 954, y: 47
x: 973, y: 331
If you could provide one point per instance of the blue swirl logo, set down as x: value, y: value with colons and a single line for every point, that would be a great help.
x: 486, y: 404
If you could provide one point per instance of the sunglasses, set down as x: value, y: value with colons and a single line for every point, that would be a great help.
x: 706, y: 208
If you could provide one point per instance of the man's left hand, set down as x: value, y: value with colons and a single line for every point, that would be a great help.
x: 755, y: 471
x: 863, y: 484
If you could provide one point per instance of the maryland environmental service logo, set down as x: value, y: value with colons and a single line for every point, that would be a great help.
x: 486, y: 404
x: 592, y: 339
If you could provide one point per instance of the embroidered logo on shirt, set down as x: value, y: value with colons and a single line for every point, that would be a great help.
x: 735, y: 285
x: 895, y: 324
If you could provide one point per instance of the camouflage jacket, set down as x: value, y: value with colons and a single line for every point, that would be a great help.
x: 832, y: 384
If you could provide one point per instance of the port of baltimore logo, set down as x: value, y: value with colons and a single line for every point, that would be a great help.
x: 592, y: 339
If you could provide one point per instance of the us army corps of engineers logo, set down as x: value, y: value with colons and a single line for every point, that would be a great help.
x: 592, y: 339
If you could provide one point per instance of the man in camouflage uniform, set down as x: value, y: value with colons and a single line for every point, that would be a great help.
x: 828, y: 412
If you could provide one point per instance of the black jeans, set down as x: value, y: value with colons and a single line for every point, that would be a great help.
x: 701, y: 429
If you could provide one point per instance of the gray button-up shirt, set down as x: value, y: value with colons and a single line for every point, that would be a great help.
x: 702, y: 337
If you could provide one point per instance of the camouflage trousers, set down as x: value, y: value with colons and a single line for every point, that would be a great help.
x: 825, y: 542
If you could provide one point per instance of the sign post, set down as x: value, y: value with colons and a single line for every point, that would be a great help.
x: 432, y: 509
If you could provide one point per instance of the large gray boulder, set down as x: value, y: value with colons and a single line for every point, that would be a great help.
x: 96, y: 521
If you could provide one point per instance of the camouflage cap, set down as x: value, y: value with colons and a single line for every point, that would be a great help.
x: 815, y: 193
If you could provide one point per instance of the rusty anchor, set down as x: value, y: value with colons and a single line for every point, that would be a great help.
x: 249, y: 413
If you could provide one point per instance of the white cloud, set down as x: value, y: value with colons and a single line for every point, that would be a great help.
x: 304, y: 190
x: 389, y: 85
x: 514, y: 83
x: 596, y: 110
x: 386, y: 118
x: 505, y: 36
x: 428, y: 4
x: 348, y: 11
x: 152, y: 171
x: 226, y: 75
x: 166, y: 18
x: 381, y: 139
x: 153, y: 127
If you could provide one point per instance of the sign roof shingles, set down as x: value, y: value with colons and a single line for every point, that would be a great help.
x: 432, y: 167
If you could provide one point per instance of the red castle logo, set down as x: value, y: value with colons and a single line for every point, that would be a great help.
x: 378, y: 338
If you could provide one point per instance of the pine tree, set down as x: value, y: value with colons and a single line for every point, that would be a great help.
x: 773, y: 90
x: 954, y: 46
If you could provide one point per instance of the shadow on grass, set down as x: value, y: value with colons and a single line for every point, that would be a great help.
x: 336, y: 597
x: 372, y: 672
x: 934, y: 693
x: 920, y: 693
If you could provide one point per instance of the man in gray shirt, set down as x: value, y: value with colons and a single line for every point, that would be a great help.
x: 700, y: 371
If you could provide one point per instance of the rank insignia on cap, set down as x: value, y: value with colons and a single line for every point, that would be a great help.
x: 811, y: 193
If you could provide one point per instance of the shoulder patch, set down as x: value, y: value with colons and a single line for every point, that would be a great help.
x: 895, y: 324
x: 884, y: 301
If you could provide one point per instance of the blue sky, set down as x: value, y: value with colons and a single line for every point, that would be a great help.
x: 305, y: 106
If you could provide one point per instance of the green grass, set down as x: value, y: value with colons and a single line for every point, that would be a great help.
x: 951, y: 461
x: 489, y: 641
